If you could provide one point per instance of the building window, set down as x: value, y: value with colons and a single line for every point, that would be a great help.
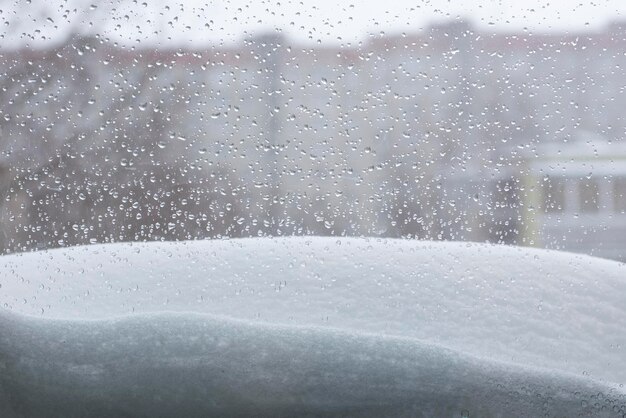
x: 619, y: 195
x: 588, y: 195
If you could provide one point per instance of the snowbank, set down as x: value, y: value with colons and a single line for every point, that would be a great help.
x: 317, y: 326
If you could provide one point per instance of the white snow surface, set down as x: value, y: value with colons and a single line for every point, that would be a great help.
x: 311, y: 327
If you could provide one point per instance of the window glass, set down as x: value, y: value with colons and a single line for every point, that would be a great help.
x: 277, y: 208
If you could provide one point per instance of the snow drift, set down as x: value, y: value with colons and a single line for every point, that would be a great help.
x: 311, y: 327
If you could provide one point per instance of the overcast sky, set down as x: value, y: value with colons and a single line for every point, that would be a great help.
x: 198, y: 22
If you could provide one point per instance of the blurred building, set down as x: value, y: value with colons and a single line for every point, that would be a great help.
x: 445, y: 134
x: 576, y: 196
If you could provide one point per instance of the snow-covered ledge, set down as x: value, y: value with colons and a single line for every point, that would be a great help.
x: 318, y: 326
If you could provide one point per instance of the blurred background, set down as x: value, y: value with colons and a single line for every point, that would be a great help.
x: 132, y: 121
